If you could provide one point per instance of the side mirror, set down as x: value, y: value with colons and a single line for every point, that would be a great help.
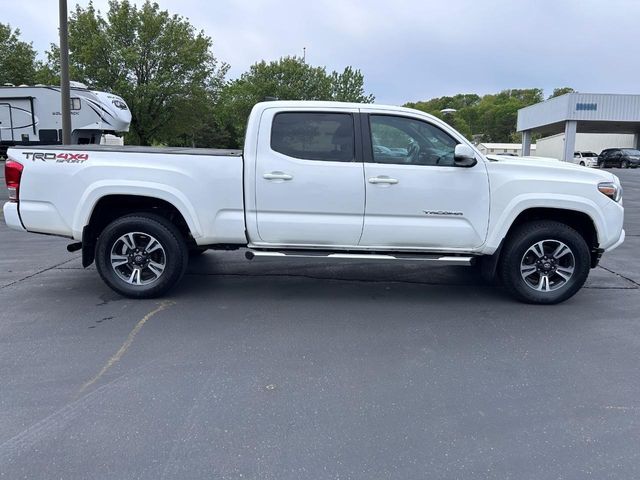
x: 464, y: 156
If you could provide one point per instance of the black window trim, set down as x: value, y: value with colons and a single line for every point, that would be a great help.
x: 357, y: 134
x: 367, y: 141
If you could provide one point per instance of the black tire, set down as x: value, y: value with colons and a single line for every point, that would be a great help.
x: 624, y: 164
x: 173, y: 250
x: 518, y: 248
x: 582, y: 164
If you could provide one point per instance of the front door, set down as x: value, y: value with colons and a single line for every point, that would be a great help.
x: 309, y: 178
x: 416, y: 197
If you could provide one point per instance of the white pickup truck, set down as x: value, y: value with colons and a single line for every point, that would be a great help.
x: 321, y: 179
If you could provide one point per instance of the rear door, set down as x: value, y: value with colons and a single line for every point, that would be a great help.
x: 416, y: 197
x: 309, y: 184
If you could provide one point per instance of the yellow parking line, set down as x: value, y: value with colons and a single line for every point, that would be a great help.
x: 127, y: 343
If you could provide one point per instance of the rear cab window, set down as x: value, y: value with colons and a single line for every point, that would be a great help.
x: 320, y: 136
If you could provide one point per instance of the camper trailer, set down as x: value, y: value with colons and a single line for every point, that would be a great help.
x: 30, y: 115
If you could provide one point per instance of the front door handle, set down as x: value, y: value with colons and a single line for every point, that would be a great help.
x: 277, y: 176
x: 383, y: 179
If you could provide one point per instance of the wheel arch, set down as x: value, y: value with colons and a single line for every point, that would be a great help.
x: 579, y: 221
x: 113, y: 206
x: 582, y: 222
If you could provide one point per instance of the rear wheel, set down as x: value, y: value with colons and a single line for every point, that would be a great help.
x: 141, y: 256
x: 544, y: 262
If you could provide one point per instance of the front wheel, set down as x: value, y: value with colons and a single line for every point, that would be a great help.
x: 624, y: 164
x: 141, y: 256
x: 544, y: 262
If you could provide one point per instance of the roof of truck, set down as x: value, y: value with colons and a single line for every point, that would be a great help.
x: 328, y: 104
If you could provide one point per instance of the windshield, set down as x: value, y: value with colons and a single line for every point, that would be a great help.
x: 631, y: 151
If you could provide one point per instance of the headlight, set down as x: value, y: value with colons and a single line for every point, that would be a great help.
x: 611, y: 190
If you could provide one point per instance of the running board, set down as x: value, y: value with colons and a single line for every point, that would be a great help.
x: 439, y: 259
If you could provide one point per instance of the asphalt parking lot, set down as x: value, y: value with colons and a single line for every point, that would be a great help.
x: 309, y: 370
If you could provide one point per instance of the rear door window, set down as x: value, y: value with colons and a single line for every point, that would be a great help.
x: 314, y: 136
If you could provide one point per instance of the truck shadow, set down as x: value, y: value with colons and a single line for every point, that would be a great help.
x: 331, y: 280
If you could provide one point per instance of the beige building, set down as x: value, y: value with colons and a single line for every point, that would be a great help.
x: 502, y: 148
x: 553, y: 146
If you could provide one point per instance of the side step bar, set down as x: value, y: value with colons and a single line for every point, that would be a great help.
x: 438, y: 259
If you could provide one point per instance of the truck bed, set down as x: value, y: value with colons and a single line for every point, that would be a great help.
x: 58, y: 196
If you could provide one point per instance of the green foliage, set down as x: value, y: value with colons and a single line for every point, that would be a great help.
x: 48, y: 72
x: 561, y: 91
x: 17, y: 58
x: 492, y: 118
x: 348, y: 86
x: 157, y: 62
x: 289, y: 78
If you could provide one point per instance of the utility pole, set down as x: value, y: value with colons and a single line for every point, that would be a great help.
x: 65, y: 92
x: 304, y: 54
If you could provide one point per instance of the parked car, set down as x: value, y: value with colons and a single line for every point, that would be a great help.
x: 310, y: 183
x: 586, y: 159
x: 619, y: 157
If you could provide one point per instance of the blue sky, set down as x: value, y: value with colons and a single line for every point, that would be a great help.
x: 411, y: 49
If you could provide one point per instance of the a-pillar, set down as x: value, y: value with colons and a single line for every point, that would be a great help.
x: 570, y: 128
x: 526, y: 143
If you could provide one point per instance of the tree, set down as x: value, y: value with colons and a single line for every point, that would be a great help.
x: 17, y: 58
x: 561, y: 91
x: 288, y: 78
x: 348, y: 86
x: 492, y: 118
x: 157, y: 62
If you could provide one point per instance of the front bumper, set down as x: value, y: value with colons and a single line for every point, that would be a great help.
x: 12, y: 217
x: 618, y: 242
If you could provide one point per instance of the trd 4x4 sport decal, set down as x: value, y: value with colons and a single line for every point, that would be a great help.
x: 58, y: 157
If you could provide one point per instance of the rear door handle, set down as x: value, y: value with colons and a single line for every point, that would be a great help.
x: 277, y: 176
x: 383, y: 179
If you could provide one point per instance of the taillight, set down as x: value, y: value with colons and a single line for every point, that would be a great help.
x: 12, y: 174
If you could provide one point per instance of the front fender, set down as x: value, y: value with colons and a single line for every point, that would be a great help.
x: 499, y: 227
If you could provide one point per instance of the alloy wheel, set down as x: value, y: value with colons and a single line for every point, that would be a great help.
x: 547, y: 265
x: 138, y: 258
